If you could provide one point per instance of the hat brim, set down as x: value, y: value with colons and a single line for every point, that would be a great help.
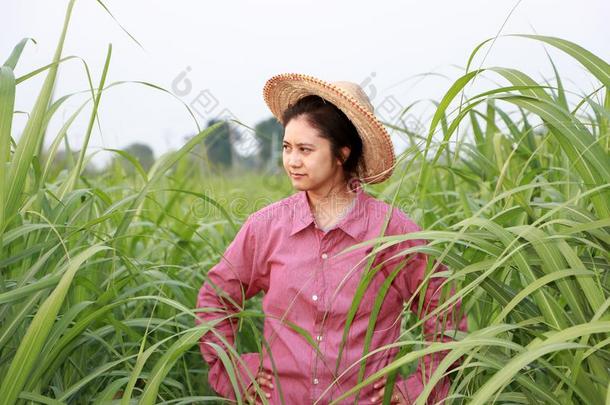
x: 378, y: 159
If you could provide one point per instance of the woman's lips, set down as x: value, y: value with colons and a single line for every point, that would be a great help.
x: 297, y: 176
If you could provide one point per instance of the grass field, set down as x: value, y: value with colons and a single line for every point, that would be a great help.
x: 99, y: 274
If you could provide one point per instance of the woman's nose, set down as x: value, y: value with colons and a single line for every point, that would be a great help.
x: 294, y: 161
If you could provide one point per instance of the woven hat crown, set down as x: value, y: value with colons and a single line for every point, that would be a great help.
x: 356, y: 92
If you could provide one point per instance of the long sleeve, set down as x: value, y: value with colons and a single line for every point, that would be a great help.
x: 408, y: 281
x: 236, y: 277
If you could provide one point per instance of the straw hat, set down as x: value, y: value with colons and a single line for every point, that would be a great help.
x: 377, y: 163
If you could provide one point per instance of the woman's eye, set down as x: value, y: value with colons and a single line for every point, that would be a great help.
x: 302, y: 149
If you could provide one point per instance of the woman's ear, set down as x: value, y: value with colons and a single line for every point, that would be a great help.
x: 345, y: 152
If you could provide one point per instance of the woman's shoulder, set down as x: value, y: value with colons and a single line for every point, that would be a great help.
x: 400, y: 221
x: 274, y: 212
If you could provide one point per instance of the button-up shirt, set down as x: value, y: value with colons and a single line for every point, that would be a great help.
x: 309, y: 287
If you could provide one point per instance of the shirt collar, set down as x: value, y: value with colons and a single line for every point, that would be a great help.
x: 350, y: 224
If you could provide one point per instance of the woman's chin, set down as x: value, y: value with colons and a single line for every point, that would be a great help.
x: 300, y: 184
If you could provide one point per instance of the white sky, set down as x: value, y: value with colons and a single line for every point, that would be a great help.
x: 233, y: 47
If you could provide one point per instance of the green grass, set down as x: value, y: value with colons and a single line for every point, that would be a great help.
x: 99, y: 273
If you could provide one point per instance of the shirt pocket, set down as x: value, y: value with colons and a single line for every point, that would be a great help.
x: 289, y: 283
x: 343, y: 276
x: 347, y: 277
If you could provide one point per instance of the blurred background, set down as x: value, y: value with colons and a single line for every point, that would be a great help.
x: 216, y: 56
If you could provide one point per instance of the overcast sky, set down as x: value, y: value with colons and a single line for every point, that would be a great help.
x: 226, y: 50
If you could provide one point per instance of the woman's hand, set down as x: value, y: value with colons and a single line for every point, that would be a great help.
x: 379, y: 386
x: 263, y: 378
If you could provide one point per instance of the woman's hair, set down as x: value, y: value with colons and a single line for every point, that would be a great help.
x: 333, y: 125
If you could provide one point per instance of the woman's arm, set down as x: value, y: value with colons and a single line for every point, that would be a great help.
x: 235, y: 278
x: 408, y: 281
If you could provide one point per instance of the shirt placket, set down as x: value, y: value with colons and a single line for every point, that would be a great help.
x: 319, y: 298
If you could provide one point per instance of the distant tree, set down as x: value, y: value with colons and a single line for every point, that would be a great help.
x: 63, y: 160
x: 269, y: 133
x: 218, y: 147
x: 143, y: 154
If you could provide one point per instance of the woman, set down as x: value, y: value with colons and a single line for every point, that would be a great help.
x: 292, y: 251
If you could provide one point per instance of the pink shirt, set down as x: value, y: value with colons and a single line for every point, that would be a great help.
x: 281, y: 251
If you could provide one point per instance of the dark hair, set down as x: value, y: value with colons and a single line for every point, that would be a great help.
x: 333, y: 125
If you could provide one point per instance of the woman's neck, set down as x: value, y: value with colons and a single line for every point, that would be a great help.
x: 326, y: 208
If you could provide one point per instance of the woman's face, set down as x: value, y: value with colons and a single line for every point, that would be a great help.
x: 306, y: 153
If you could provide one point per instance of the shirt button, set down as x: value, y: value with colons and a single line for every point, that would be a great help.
x: 319, y: 338
x: 314, y: 297
x: 324, y: 256
x: 315, y: 381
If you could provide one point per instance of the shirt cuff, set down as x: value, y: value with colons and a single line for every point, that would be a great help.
x: 220, y: 382
x: 412, y: 386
